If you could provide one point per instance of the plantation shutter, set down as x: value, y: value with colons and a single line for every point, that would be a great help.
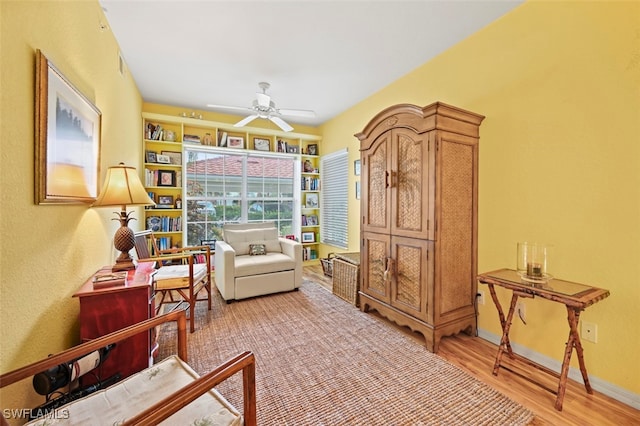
x: 334, y: 169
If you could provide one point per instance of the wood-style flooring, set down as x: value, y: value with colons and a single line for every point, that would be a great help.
x: 477, y: 356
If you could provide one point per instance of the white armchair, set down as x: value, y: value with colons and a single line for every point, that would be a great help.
x: 253, y: 261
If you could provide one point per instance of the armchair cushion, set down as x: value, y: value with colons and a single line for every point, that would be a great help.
x: 241, y: 239
x: 177, y: 276
x: 142, y: 390
x: 259, y: 265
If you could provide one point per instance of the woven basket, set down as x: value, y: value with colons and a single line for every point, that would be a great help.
x: 346, y: 278
x: 327, y: 264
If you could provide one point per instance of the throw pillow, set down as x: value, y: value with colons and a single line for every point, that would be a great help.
x: 257, y: 249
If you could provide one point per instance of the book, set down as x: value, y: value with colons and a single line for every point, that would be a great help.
x: 109, y: 279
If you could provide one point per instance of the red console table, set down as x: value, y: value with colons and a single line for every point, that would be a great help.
x: 106, y: 309
x: 576, y: 297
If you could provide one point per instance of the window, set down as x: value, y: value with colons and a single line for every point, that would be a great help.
x: 333, y: 204
x: 237, y: 187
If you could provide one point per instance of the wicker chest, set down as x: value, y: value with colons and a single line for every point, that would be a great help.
x: 346, y: 276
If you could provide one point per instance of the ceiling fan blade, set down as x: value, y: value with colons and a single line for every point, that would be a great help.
x: 297, y: 112
x: 263, y: 99
x: 245, y: 121
x: 281, y: 123
x: 230, y: 107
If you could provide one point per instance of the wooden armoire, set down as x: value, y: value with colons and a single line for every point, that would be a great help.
x: 419, y: 218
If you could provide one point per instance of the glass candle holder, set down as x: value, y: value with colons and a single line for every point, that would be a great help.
x: 532, y: 260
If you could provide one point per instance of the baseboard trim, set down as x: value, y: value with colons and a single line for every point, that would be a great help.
x: 619, y: 394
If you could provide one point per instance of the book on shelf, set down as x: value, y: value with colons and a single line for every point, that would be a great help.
x: 222, y: 138
x: 191, y: 138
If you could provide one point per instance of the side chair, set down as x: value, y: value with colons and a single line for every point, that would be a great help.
x: 179, y: 276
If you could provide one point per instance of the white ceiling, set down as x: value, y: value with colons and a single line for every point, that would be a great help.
x: 318, y: 55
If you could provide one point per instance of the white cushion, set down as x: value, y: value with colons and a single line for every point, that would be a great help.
x: 241, y: 239
x: 177, y: 276
x: 271, y: 262
x: 138, y: 392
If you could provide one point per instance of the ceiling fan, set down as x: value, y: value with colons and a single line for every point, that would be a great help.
x: 264, y: 107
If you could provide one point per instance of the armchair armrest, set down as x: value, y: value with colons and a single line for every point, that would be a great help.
x: 225, y: 270
x: 293, y: 249
x: 245, y: 363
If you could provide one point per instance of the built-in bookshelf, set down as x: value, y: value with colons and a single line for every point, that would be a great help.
x: 310, y: 191
x: 165, y: 139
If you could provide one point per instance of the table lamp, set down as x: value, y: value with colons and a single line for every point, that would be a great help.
x: 122, y: 187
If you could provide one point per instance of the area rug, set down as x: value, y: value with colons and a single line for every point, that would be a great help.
x: 320, y: 361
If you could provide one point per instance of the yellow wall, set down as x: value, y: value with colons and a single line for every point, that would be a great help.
x: 559, y: 162
x: 559, y: 83
x: 48, y: 251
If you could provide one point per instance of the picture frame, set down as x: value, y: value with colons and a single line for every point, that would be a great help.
x: 312, y: 149
x: 175, y: 158
x: 166, y: 178
x: 308, y: 237
x: 293, y: 149
x: 150, y: 156
x: 163, y: 159
x: 67, y: 139
x: 165, y: 202
x: 312, y: 220
x: 210, y: 243
x: 235, y: 142
x: 261, y: 144
x: 311, y: 200
x: 356, y: 167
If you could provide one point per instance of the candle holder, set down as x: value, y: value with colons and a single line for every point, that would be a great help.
x: 532, y: 262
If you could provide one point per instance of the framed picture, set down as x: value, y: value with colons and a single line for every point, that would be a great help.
x: 210, y: 243
x: 261, y: 144
x: 356, y: 167
x: 290, y: 237
x: 312, y: 149
x: 311, y: 200
x: 312, y: 220
x: 235, y: 142
x: 165, y: 201
x: 67, y: 138
x: 308, y: 237
x: 150, y: 156
x: 166, y: 178
x: 293, y: 149
x: 174, y: 157
x: 163, y: 159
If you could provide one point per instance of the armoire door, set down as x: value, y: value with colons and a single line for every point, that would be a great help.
x: 374, y: 264
x: 412, y: 184
x: 412, y: 279
x: 375, y: 188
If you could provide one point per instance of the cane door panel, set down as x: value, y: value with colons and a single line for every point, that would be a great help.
x: 412, y: 191
x: 375, y: 186
x: 412, y: 276
x: 374, y: 264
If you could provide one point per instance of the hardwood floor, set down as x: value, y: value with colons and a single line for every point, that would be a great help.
x: 476, y: 356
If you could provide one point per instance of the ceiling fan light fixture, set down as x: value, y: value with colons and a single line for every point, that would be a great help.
x: 263, y: 107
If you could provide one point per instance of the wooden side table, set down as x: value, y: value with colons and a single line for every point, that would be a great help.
x: 576, y: 297
x: 107, y: 309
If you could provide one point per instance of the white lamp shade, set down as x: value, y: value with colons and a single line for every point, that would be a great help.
x: 122, y: 187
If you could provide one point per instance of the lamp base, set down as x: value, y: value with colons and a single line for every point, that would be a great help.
x: 123, y: 241
x: 123, y: 265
